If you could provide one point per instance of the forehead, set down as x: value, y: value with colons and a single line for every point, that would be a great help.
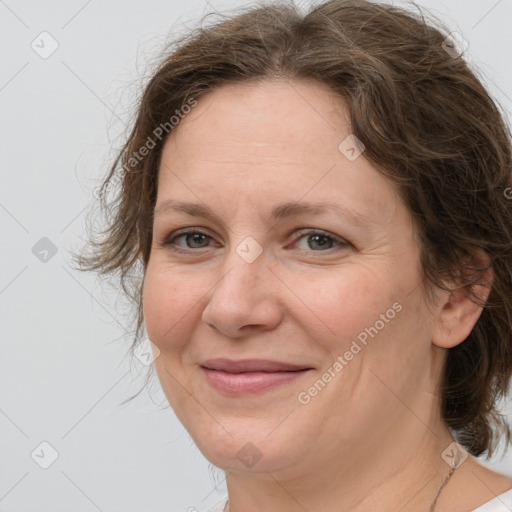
x: 269, y: 141
x: 274, y: 115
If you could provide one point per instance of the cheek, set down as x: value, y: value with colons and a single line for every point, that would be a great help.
x: 168, y: 307
x: 375, y: 325
x: 342, y: 305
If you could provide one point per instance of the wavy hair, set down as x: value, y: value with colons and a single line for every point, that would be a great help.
x: 427, y: 123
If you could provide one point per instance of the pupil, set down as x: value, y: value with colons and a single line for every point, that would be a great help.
x: 195, y: 237
x: 316, y: 237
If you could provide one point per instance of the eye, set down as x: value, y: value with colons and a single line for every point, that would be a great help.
x: 195, y: 239
x: 322, y: 240
x: 192, y: 238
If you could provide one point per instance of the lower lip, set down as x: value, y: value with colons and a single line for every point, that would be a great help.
x: 250, y: 382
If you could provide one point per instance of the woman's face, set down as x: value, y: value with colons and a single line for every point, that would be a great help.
x: 334, y: 290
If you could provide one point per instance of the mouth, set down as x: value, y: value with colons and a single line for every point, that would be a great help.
x: 250, y: 376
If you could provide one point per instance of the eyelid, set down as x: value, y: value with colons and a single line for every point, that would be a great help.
x: 300, y: 232
x: 169, y: 239
x: 315, y: 231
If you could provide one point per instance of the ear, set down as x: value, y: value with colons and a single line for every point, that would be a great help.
x: 458, y: 311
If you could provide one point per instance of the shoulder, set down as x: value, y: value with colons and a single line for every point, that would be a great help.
x: 497, y: 488
x: 501, y: 503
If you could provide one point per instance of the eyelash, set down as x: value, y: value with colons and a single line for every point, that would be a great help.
x: 169, y: 241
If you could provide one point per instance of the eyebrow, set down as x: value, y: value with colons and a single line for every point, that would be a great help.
x: 282, y: 211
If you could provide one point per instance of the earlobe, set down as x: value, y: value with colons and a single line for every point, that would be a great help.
x: 461, y: 309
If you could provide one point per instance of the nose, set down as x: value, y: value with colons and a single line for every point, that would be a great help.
x: 245, y: 298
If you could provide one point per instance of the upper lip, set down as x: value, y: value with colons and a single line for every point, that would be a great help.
x: 251, y: 365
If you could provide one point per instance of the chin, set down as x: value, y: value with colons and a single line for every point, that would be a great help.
x: 245, y: 450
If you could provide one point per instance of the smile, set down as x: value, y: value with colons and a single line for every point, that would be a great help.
x: 249, y: 376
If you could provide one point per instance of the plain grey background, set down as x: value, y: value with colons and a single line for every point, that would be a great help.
x: 64, y: 368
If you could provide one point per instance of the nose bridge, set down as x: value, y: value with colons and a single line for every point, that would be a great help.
x: 245, y: 267
x: 242, y: 295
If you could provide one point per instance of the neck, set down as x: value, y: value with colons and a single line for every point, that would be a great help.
x: 383, y: 474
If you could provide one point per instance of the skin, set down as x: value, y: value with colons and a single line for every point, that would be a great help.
x: 372, y: 438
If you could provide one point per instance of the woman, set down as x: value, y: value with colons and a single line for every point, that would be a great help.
x: 319, y: 206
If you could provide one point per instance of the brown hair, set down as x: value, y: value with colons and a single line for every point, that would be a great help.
x: 427, y: 123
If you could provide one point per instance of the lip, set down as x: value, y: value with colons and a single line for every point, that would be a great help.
x: 249, y: 376
x: 251, y: 365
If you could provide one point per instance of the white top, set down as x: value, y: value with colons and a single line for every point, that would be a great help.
x: 502, y: 503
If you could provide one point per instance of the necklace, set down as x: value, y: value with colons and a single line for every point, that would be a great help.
x: 432, y: 506
x: 441, y: 487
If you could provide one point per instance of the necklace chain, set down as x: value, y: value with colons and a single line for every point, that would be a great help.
x: 432, y: 506
x: 441, y: 487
